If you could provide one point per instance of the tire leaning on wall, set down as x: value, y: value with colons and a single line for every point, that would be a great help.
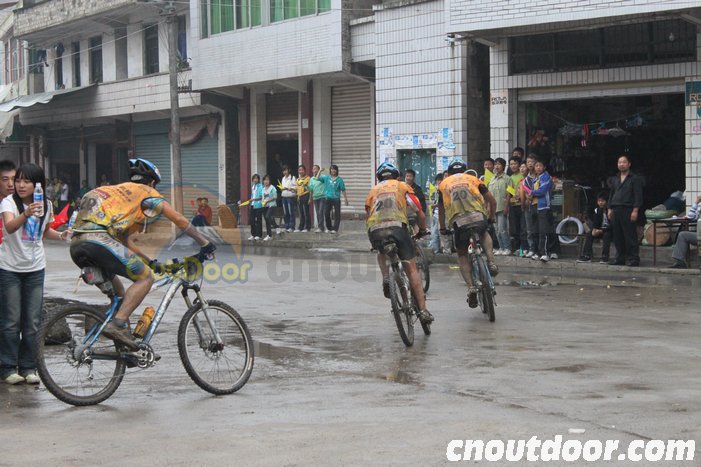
x: 566, y: 239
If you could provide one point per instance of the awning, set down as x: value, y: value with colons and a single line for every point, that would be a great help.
x: 42, y: 98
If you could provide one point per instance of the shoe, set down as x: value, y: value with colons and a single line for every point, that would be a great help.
x: 317, y: 230
x: 472, y: 301
x: 13, y: 378
x: 535, y: 256
x: 31, y: 377
x: 303, y: 230
x: 584, y: 259
x: 545, y: 258
x: 120, y: 335
x: 288, y: 230
x: 554, y: 256
x: 604, y: 260
x: 251, y: 237
x: 267, y: 237
x: 528, y: 254
x: 256, y: 238
x: 493, y: 269
x: 678, y: 265
x: 278, y: 231
x: 385, y: 288
x: 634, y: 264
x: 332, y: 231
x: 615, y: 262
x: 297, y: 231
x: 425, y: 317
x: 506, y: 252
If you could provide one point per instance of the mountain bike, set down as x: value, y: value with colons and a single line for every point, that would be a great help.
x: 421, y: 260
x: 404, y: 308
x: 214, y: 343
x: 481, y: 277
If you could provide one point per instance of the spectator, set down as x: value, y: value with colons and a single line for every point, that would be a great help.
x: 303, y: 199
x: 22, y: 264
x: 289, y: 198
x: 50, y: 193
x: 269, y: 205
x: 600, y: 228
x: 7, y: 185
x: 317, y: 187
x: 256, y: 208
x: 516, y: 216
x: 410, y: 179
x: 530, y: 208
x: 84, y: 188
x: 63, y: 195
x: 549, y: 246
x: 625, y: 201
x: 497, y: 187
x: 519, y: 154
x: 104, y: 181
x: 488, y: 165
x: 203, y: 216
x: 686, y: 238
x: 334, y: 187
x: 435, y: 243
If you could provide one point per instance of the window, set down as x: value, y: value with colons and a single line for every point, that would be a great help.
x: 75, y: 49
x: 151, y: 64
x: 624, y: 45
x: 58, y: 72
x: 182, y: 42
x: 16, y: 71
x: 287, y: 9
x: 96, y: 59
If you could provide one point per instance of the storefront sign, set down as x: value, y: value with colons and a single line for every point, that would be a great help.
x: 693, y: 92
x: 499, y: 98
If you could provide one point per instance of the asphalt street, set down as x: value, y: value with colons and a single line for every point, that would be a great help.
x: 333, y: 383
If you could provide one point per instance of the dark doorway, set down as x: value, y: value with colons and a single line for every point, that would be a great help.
x: 282, y: 152
x: 103, y: 163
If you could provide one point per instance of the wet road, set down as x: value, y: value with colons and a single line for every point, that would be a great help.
x: 333, y: 383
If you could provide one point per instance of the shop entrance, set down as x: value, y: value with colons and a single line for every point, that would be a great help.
x: 581, y: 140
x: 423, y: 162
x: 282, y: 152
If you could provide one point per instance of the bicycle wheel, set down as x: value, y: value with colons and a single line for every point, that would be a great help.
x: 218, y: 368
x: 402, y: 307
x: 422, y: 265
x: 73, y: 373
x: 486, y: 292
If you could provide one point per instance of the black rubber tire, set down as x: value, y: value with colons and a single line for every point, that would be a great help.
x: 48, y: 377
x: 422, y: 265
x: 402, y: 308
x: 426, y: 327
x: 487, y: 295
x: 246, y: 346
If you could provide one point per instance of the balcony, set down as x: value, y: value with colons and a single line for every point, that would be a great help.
x: 42, y: 21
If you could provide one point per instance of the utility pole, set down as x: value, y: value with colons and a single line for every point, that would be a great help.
x: 176, y: 160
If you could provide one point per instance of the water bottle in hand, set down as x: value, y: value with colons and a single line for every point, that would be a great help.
x: 39, y: 198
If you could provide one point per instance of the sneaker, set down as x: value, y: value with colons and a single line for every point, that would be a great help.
x: 385, y: 288
x: 267, y: 237
x: 425, y: 317
x: 604, y: 260
x: 288, y: 230
x: 678, y: 265
x: 303, y: 230
x: 584, y: 259
x: 12, y: 378
x: 120, y: 335
x: 278, y: 231
x: 493, y: 269
x: 535, y: 256
x: 251, y: 237
x: 297, y: 231
x: 472, y: 301
x: 31, y: 377
x: 332, y: 231
x: 317, y: 230
x: 634, y: 264
x: 545, y: 258
x: 615, y: 262
x: 528, y: 254
x: 506, y: 252
x: 554, y: 256
x: 256, y: 238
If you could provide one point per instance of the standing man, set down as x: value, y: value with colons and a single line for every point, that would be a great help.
x: 530, y: 207
x: 517, y: 219
x: 625, y: 201
x: 497, y: 187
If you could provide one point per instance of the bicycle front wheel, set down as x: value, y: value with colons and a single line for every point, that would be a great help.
x: 486, y: 292
x: 71, y: 370
x: 215, y: 347
x: 402, y: 307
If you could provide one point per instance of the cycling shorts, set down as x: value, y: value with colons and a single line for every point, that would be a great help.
x: 99, y: 249
x: 463, y: 234
x: 400, y: 235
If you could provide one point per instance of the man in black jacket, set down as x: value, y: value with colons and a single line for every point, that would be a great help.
x: 600, y: 228
x: 625, y: 201
x: 410, y: 179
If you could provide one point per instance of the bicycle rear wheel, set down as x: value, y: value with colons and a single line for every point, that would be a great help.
x: 73, y: 372
x: 402, y: 306
x: 217, y: 366
x: 486, y: 293
x: 422, y: 265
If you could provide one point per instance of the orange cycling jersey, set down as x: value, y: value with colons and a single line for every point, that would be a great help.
x: 386, y: 204
x: 461, y: 195
x: 118, y: 208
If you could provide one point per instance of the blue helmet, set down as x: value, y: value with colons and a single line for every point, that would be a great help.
x: 143, y: 171
x: 456, y: 166
x: 387, y: 170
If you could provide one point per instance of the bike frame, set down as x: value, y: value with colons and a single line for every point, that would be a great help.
x: 474, y: 250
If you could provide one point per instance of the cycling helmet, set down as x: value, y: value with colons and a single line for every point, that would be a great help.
x: 457, y: 166
x: 387, y: 170
x: 143, y: 171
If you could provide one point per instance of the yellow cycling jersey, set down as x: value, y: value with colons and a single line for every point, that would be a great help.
x: 461, y: 195
x: 386, y: 204
x: 118, y: 208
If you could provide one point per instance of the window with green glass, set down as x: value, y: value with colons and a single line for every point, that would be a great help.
x: 242, y: 9
x: 324, y: 5
x: 277, y: 12
x: 227, y: 15
x: 215, y: 17
x: 291, y: 8
x: 286, y: 9
x: 256, y: 12
x: 307, y: 7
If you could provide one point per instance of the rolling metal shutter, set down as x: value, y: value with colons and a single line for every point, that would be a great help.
x: 351, y: 141
x: 282, y: 113
x: 200, y: 174
x: 151, y: 141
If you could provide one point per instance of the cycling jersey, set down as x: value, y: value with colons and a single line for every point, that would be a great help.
x: 387, y: 202
x: 462, y: 194
x: 118, y: 209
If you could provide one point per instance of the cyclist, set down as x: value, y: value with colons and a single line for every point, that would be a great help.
x: 101, y: 238
x: 386, y: 206
x: 468, y: 204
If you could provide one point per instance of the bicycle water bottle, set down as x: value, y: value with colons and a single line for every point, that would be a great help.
x: 144, y: 322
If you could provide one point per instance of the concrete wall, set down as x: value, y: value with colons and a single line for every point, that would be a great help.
x: 363, y: 39
x: 298, y: 47
x: 480, y: 15
x: 57, y: 12
x: 420, y: 76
